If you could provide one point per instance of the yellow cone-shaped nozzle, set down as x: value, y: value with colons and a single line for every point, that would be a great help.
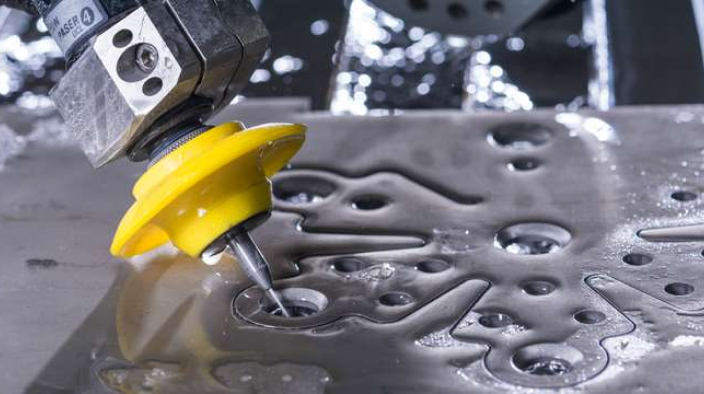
x: 205, y: 187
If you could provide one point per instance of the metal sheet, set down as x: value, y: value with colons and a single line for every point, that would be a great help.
x: 413, y: 231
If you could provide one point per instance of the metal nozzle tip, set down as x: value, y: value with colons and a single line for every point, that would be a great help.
x: 254, y: 265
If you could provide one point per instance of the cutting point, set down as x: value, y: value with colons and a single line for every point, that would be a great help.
x: 254, y: 264
x: 205, y: 190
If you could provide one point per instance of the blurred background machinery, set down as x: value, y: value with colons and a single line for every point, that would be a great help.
x: 363, y: 56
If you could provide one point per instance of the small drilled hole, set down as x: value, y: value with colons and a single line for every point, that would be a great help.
x: 538, y: 288
x: 395, y: 299
x: 683, y: 196
x: 637, y: 259
x: 495, y: 320
x: 494, y: 8
x: 532, y: 238
x: 349, y: 264
x: 298, y: 301
x: 432, y: 266
x: 524, y: 165
x: 457, y: 11
x: 302, y: 190
x: 368, y: 203
x: 679, y: 289
x: 152, y: 86
x: 418, y: 5
x: 589, y: 317
x: 520, y: 136
x: 122, y: 38
x: 549, y: 359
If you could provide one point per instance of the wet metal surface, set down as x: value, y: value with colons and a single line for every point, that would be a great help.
x: 417, y: 255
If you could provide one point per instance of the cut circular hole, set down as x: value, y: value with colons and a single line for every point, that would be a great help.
x: 299, y: 302
x: 349, y: 264
x: 368, y: 203
x: 395, y: 299
x: 457, y: 11
x: 538, y: 288
x: 532, y: 238
x: 152, y: 86
x: 637, y: 259
x: 683, y: 196
x: 418, y: 5
x: 589, y: 317
x: 302, y: 190
x: 122, y: 38
x: 525, y: 164
x: 547, y: 359
x: 520, y: 136
x: 494, y: 8
x: 495, y: 320
x: 432, y: 266
x: 679, y: 288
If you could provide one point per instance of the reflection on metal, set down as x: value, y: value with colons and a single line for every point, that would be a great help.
x: 383, y: 239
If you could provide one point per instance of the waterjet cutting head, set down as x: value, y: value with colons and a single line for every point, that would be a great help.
x: 205, y: 190
x: 143, y: 77
x: 206, y: 186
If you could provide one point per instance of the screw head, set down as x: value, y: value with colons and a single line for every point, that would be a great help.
x: 147, y: 57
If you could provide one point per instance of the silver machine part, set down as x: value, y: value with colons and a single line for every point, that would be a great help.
x: 196, y: 51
